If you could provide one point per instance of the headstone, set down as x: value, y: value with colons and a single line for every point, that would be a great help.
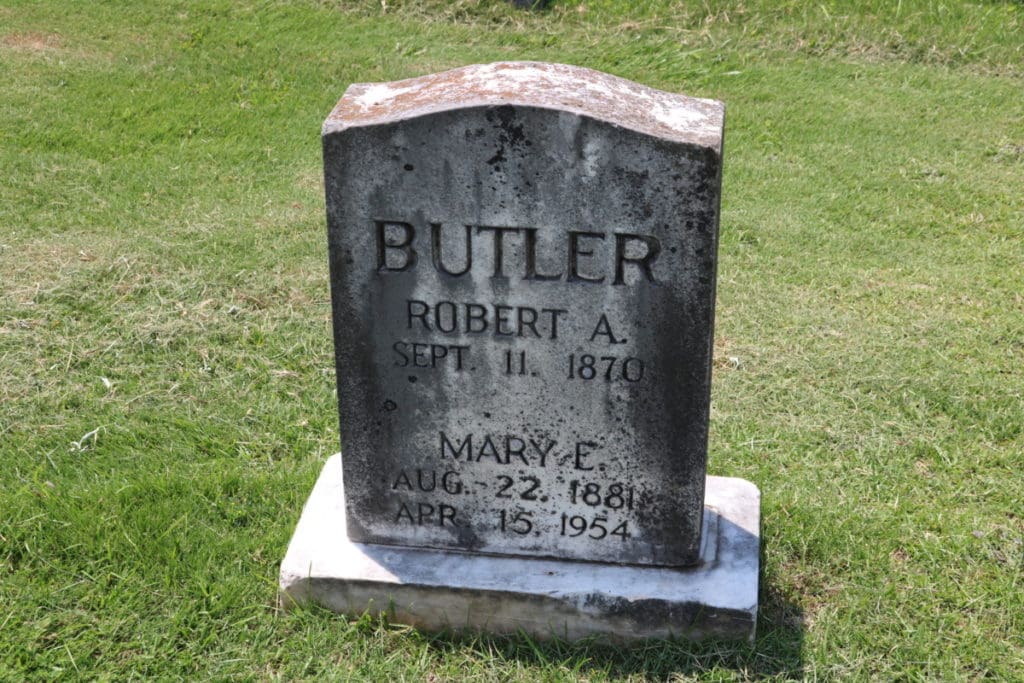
x: 522, y: 267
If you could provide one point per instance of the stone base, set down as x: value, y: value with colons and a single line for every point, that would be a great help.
x: 437, y: 589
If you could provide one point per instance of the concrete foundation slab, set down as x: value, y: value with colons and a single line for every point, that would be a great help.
x: 436, y: 589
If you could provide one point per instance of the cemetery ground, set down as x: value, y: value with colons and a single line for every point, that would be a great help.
x: 166, y: 364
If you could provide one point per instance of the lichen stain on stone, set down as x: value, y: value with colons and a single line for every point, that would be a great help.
x: 689, y: 619
x: 511, y: 135
x: 552, y: 86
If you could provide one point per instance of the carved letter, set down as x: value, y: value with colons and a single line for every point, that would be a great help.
x: 489, y: 450
x: 603, y: 329
x: 446, y: 512
x: 403, y: 480
x: 554, y: 313
x: 422, y: 485
x: 404, y: 513
x: 422, y: 309
x: 542, y: 452
x: 476, y: 318
x: 531, y: 258
x: 452, y: 316
x: 398, y: 347
x: 426, y: 512
x: 438, y: 258
x: 466, y: 445
x: 575, y: 252
x: 403, y: 246
x: 499, y: 246
x: 643, y: 262
x: 515, y: 446
x: 527, y: 317
x: 451, y: 483
x: 581, y: 454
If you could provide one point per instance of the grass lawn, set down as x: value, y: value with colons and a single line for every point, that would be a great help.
x: 166, y: 380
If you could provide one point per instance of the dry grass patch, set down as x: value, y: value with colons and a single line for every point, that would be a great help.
x: 32, y: 41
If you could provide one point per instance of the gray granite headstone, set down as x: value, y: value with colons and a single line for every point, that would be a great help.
x: 523, y: 277
x: 522, y: 262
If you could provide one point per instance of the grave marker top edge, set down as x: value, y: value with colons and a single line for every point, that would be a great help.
x: 604, y: 97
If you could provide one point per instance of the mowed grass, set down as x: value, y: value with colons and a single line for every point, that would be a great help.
x: 166, y: 368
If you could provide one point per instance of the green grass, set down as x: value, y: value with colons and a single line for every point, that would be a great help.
x: 166, y: 379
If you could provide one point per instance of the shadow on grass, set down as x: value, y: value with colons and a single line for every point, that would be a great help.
x: 776, y: 651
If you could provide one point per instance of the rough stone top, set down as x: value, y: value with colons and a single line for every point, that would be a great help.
x: 534, y: 84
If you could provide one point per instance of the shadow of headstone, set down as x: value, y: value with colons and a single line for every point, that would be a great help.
x: 530, y: 4
x: 777, y: 651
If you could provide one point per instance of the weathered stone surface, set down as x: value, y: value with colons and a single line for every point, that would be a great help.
x: 438, y: 589
x: 523, y: 276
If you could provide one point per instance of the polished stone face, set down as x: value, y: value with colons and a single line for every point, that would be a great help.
x: 523, y: 279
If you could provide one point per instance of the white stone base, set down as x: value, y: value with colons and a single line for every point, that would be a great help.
x: 436, y: 589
